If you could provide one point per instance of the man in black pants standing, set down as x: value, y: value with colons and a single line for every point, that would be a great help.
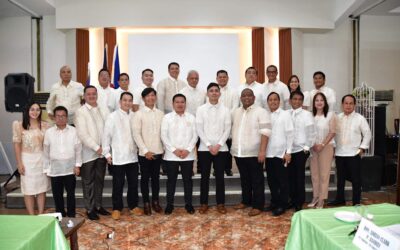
x: 213, y: 125
x: 178, y: 133
x: 304, y: 137
x: 250, y: 132
x: 353, y: 136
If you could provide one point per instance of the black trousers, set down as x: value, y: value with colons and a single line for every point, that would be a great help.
x: 150, y: 169
x: 172, y: 173
x: 218, y: 161
x: 297, y: 175
x: 198, y: 158
x: 92, y: 174
x: 58, y: 183
x: 349, y: 168
x: 252, y: 181
x: 119, y: 172
x: 277, y: 177
x: 228, y: 165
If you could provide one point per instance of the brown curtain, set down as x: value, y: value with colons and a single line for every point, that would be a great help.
x: 257, y: 40
x: 110, y: 38
x: 82, y: 55
x: 285, y: 54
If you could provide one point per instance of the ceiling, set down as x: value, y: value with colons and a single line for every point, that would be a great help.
x: 47, y: 7
x: 384, y: 7
x: 40, y: 7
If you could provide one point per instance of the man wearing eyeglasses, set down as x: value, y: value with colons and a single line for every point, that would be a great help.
x: 274, y: 85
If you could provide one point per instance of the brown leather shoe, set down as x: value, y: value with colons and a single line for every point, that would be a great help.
x: 254, y: 212
x: 240, y: 206
x: 156, y: 206
x: 221, y: 209
x: 203, y: 209
x: 147, y: 208
x: 137, y: 211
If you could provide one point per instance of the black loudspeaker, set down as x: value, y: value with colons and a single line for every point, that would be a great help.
x: 18, y: 91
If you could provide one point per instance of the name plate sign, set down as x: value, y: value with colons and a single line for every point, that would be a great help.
x: 370, y: 236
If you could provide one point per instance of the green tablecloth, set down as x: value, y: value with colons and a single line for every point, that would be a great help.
x: 319, y: 229
x: 31, y: 232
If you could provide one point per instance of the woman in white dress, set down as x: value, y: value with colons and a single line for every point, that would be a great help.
x: 28, y: 145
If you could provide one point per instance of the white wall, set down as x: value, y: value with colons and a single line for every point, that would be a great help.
x: 298, y: 55
x: 380, y: 58
x: 327, y: 51
x: 58, y: 49
x: 190, y: 13
x: 96, y: 53
x: 271, y: 48
x: 15, y: 51
x: 242, y: 51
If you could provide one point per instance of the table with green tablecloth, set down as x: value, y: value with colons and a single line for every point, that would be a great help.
x: 319, y: 229
x: 31, y: 232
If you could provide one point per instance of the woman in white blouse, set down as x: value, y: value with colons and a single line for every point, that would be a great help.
x: 322, y: 151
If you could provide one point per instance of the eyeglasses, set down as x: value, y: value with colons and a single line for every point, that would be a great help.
x: 271, y: 72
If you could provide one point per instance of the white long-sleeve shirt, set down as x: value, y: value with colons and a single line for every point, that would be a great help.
x: 166, y: 89
x: 259, y: 92
x: 229, y: 98
x: 352, y: 133
x: 281, y: 89
x: 304, y: 129
x: 89, y: 122
x: 137, y: 94
x: 147, y: 130
x: 178, y: 132
x: 195, y: 97
x: 103, y: 96
x: 68, y: 96
x: 329, y: 93
x: 281, y: 139
x: 118, y: 139
x: 248, y: 126
x: 213, y: 125
x: 113, y: 99
x: 62, y: 151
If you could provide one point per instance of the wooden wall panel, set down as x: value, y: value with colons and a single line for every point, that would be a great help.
x: 82, y: 55
x: 258, y: 55
x: 285, y: 54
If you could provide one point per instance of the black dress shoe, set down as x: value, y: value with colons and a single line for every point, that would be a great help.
x: 271, y: 207
x: 168, y: 209
x: 297, y: 208
x: 103, y: 211
x: 290, y: 205
x: 71, y: 215
x: 189, y: 209
x: 337, y: 203
x: 92, y: 215
x: 229, y: 172
x: 278, y: 211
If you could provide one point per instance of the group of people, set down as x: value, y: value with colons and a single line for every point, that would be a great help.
x: 175, y: 124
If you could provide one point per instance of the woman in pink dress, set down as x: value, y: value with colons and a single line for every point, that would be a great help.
x: 28, y: 145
